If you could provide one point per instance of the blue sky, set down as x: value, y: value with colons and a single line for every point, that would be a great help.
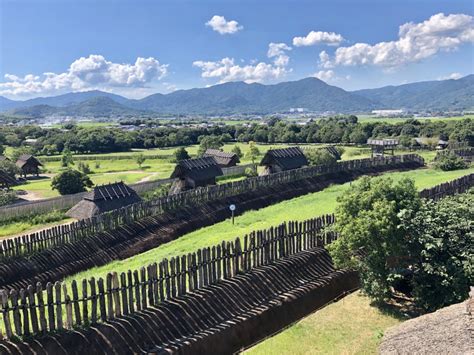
x: 139, y: 47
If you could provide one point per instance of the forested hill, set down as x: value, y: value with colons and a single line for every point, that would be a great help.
x: 237, y: 97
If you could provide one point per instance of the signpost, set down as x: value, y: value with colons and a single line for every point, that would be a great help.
x: 232, y: 209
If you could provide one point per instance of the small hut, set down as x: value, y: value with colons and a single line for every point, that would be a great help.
x: 380, y: 146
x: 104, y: 198
x: 276, y: 160
x: 192, y: 173
x: 6, y: 180
x: 28, y: 164
x: 224, y: 159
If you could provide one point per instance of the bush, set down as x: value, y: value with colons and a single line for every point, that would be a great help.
x: 71, y: 182
x: 9, y: 168
x: 320, y: 157
x: 180, y: 154
x: 84, y: 167
x: 7, y: 197
x: 450, y: 161
x: 441, y: 245
x: 251, y: 172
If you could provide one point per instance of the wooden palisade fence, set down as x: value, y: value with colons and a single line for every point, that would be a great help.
x: 48, y: 238
x: 43, y: 308
x: 453, y: 187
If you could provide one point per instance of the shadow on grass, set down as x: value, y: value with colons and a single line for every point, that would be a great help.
x: 400, y: 307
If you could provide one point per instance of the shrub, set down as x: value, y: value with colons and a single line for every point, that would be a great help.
x: 7, y: 197
x: 84, y: 167
x: 320, y: 157
x: 450, y: 161
x: 251, y: 172
x: 180, y: 154
x: 71, y: 182
x: 9, y: 168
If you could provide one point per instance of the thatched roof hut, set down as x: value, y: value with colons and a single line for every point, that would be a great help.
x: 6, y: 180
x: 224, y: 159
x: 28, y: 164
x: 276, y: 160
x: 191, y: 173
x: 104, y: 198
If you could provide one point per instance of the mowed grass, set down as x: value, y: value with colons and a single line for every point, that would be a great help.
x: 349, y: 326
x: 300, y: 208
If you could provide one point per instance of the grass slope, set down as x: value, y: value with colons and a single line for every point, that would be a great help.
x: 350, y: 326
x: 299, y: 208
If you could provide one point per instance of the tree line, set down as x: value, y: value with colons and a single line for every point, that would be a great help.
x: 331, y: 130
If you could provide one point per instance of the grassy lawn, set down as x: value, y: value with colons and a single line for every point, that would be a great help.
x: 372, y: 119
x: 299, y: 208
x: 27, y: 227
x: 350, y: 326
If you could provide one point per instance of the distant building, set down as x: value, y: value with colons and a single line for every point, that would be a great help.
x: 104, y: 198
x: 388, y: 113
x: 192, y: 173
x: 28, y: 164
x: 380, y: 146
x: 276, y: 160
x: 224, y: 159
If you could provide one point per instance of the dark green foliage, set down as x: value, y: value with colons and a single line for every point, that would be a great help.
x: 450, y: 161
x: 320, y: 157
x: 84, y: 167
x: 140, y: 159
x: 237, y: 151
x: 441, y: 244
x: 66, y: 158
x: 180, y: 154
x: 71, y: 182
x: 7, y: 197
x: 2, y: 149
x: 368, y: 223
x: 9, y: 168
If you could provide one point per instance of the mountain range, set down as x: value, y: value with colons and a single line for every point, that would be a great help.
x: 238, y: 97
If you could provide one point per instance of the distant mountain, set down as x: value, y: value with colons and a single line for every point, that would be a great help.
x: 238, y: 97
x: 436, y: 95
x: 94, y: 107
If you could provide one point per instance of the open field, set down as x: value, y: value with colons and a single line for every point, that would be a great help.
x: 349, y: 326
x: 299, y: 208
x: 372, y: 119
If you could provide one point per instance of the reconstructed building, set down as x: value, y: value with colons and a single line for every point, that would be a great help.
x: 6, y: 180
x: 224, y: 159
x: 192, y: 173
x: 28, y: 165
x: 380, y: 146
x: 104, y: 198
x: 276, y: 160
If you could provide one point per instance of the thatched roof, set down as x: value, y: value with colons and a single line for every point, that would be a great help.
x: 6, y: 179
x: 333, y: 151
x: 222, y: 158
x: 104, y: 198
x: 204, y: 168
x: 27, y: 159
x: 286, y: 158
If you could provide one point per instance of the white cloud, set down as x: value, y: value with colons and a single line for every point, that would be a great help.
x: 221, y: 25
x: 278, y: 51
x: 417, y: 41
x: 87, y: 73
x: 454, y: 76
x: 324, y: 75
x: 318, y: 37
x: 226, y: 70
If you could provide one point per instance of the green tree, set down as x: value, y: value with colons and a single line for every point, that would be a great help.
x: 181, y: 154
x: 441, y: 247
x: 70, y: 182
x: 20, y: 151
x: 9, y: 168
x: 66, y: 158
x: 450, y: 161
x: 7, y: 197
x: 320, y: 157
x: 140, y: 159
x: 209, y: 142
x: 237, y: 151
x: 367, y: 219
x: 253, y: 152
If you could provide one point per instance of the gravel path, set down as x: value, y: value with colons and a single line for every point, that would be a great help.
x: 449, y: 330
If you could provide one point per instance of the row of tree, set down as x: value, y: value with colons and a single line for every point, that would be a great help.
x: 331, y: 130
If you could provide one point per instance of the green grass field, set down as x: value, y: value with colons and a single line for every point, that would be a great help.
x: 371, y: 119
x: 300, y: 208
x: 349, y: 326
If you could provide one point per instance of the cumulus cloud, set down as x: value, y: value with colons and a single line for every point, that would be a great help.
x: 454, y: 76
x: 86, y: 73
x: 324, y: 75
x: 318, y: 37
x: 221, y: 25
x: 278, y: 51
x: 226, y: 70
x: 417, y: 41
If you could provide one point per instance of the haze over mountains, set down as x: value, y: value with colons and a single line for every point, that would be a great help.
x: 238, y: 97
